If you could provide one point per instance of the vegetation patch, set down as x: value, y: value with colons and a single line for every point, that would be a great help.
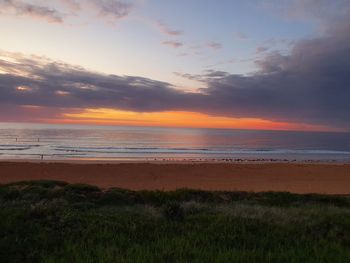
x: 50, y: 221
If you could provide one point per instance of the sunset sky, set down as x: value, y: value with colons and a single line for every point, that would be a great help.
x: 273, y: 64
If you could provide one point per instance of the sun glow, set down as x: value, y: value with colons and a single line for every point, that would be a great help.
x: 176, y: 119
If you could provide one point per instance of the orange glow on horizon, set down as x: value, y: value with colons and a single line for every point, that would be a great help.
x: 176, y: 119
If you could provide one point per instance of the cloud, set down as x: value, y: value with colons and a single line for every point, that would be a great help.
x: 111, y: 9
x: 108, y: 10
x: 22, y: 8
x: 214, y: 45
x: 207, y: 76
x: 54, y: 84
x: 189, y: 76
x: 310, y: 85
x: 167, y: 30
x: 261, y: 50
x: 25, y: 113
x: 201, y: 49
x: 72, y: 5
x: 173, y: 43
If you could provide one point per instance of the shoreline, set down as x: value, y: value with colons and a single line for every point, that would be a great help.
x: 178, y: 161
x: 323, y: 178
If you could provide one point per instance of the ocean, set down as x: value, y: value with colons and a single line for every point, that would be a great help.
x: 82, y: 142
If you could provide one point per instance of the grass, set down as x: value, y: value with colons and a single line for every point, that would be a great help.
x: 50, y: 221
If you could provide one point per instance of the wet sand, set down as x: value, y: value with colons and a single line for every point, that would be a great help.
x: 291, y: 177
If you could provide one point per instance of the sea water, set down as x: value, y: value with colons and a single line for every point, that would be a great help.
x: 83, y: 142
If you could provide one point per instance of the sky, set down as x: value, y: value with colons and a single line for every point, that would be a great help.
x: 257, y: 64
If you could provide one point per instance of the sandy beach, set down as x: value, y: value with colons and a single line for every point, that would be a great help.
x: 291, y: 177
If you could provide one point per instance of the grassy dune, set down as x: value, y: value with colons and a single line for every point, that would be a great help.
x: 48, y: 221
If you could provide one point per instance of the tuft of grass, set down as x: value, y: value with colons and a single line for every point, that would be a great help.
x: 173, y: 211
x: 82, y: 188
x: 49, y: 221
x: 39, y: 183
x: 117, y: 196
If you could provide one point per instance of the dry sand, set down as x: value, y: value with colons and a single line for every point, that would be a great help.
x: 292, y: 177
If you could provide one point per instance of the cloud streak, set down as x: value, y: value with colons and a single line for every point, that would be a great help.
x: 111, y: 9
x: 167, y: 30
x: 214, y: 45
x: 22, y: 8
x: 173, y: 43
x: 57, y: 11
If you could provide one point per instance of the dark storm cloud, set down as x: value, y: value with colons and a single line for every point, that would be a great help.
x: 310, y: 85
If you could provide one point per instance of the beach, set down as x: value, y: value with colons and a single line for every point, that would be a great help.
x: 257, y: 177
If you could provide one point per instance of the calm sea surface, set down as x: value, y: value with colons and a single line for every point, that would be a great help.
x: 59, y: 142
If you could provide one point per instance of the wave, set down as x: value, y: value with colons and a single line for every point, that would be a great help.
x: 205, y: 151
x: 16, y: 147
x: 127, y: 148
x: 141, y: 150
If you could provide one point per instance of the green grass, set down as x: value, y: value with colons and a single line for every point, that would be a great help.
x: 50, y: 221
